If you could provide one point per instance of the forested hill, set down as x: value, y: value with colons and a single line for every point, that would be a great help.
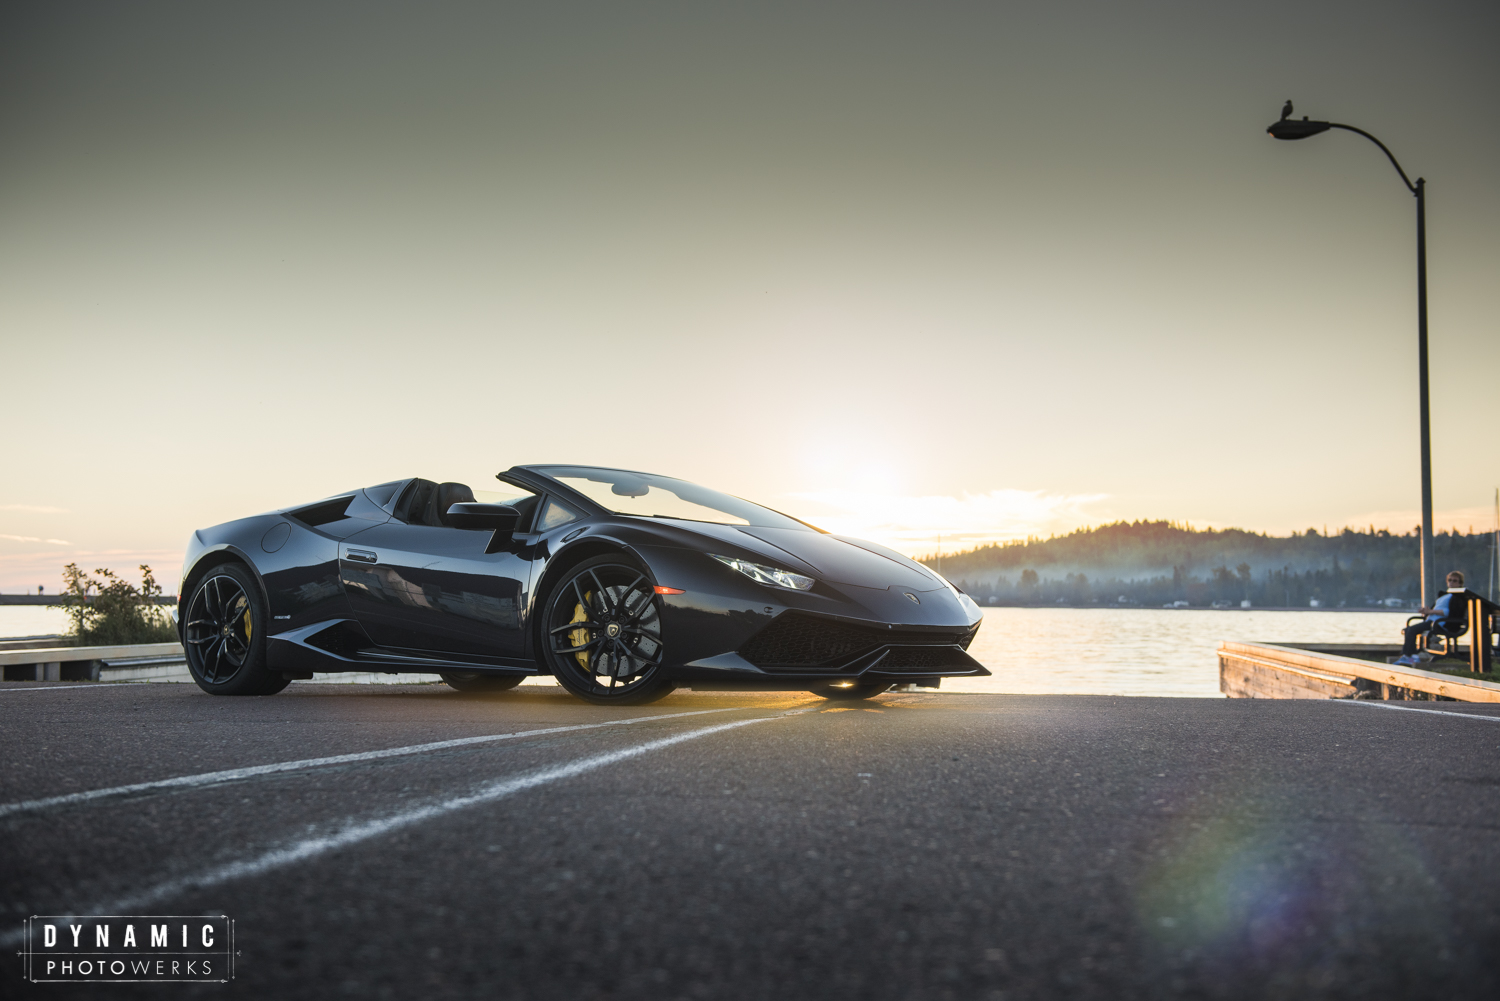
x: 1155, y: 562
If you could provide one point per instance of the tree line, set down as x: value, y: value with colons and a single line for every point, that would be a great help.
x: 1153, y: 563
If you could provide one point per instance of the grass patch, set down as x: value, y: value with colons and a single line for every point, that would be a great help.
x: 1464, y: 672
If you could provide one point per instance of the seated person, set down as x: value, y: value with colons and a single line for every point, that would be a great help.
x: 1442, y: 616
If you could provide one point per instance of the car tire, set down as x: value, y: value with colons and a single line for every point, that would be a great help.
x: 848, y: 693
x: 603, y: 621
x: 479, y: 682
x: 224, y: 635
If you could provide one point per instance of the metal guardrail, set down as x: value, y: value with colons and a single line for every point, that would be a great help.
x: 47, y: 662
x: 64, y: 654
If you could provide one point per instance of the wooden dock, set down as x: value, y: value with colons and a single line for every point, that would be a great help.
x: 1347, y: 671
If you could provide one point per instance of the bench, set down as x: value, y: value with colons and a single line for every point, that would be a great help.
x: 1479, y: 623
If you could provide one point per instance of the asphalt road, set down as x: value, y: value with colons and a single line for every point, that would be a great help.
x: 741, y: 846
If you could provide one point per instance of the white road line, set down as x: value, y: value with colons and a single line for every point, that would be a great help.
x: 235, y: 774
x: 355, y: 832
x: 96, y: 685
x: 1413, y: 709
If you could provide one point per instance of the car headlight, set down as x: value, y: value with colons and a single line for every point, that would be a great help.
x: 762, y: 574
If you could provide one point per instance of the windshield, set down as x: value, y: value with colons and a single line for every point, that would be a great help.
x: 652, y: 496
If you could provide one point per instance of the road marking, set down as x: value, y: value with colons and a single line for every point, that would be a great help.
x: 355, y: 833
x: 1413, y: 709
x: 235, y: 774
x: 99, y: 686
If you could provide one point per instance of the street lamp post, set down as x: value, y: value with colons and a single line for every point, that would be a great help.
x: 1290, y: 128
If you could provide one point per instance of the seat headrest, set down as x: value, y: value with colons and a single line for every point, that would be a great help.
x: 446, y: 495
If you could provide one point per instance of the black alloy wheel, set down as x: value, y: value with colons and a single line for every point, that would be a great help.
x: 851, y: 690
x: 223, y: 635
x: 602, y: 634
x: 480, y: 682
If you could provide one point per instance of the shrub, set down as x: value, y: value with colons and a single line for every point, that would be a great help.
x: 107, y: 610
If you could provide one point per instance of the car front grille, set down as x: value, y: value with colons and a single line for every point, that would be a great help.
x: 802, y: 642
x: 920, y: 658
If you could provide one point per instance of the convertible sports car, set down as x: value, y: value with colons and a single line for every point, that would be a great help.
x: 621, y: 585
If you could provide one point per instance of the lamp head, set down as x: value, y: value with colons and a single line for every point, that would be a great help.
x: 1290, y: 128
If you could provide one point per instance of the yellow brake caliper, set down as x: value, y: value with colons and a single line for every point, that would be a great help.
x: 579, y: 637
x: 247, y: 618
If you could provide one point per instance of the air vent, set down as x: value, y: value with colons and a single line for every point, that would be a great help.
x: 807, y: 642
x: 323, y: 512
x: 802, y: 641
x: 930, y: 658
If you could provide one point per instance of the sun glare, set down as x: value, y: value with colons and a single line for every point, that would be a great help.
x: 922, y: 524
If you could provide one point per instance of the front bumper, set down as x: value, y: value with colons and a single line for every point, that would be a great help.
x: 798, y: 651
x: 796, y: 642
x: 728, y: 631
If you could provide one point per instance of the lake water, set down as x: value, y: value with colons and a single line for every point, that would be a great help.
x: 31, y: 620
x: 1138, y: 651
x: 1085, y: 651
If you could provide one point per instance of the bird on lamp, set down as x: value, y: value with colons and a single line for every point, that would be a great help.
x: 1286, y: 110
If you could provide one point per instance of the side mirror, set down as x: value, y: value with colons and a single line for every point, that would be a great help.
x: 496, y: 518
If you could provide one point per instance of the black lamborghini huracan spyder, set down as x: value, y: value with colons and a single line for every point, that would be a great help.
x: 620, y: 585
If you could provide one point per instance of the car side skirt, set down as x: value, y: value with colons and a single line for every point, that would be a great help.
x: 340, y: 646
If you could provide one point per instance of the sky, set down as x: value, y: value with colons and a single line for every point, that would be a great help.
x: 929, y: 273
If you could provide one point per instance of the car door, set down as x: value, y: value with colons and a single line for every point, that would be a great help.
x: 426, y: 587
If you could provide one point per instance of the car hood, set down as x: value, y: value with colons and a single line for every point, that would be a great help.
x: 833, y: 558
x: 848, y: 561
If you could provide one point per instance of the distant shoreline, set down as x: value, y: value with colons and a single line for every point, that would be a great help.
x: 1206, y: 608
x: 56, y: 599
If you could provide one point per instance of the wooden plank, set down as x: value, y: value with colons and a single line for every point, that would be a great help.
x: 1246, y: 679
x: 1339, y: 679
x: 65, y: 654
x: 1262, y: 684
x: 1415, y: 679
x: 1479, y: 635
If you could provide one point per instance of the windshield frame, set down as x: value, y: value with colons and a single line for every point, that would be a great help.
x: 550, y: 472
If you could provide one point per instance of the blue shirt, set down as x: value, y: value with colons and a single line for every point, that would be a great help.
x: 1441, y: 609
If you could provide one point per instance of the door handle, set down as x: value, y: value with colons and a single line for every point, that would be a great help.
x: 360, y: 555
